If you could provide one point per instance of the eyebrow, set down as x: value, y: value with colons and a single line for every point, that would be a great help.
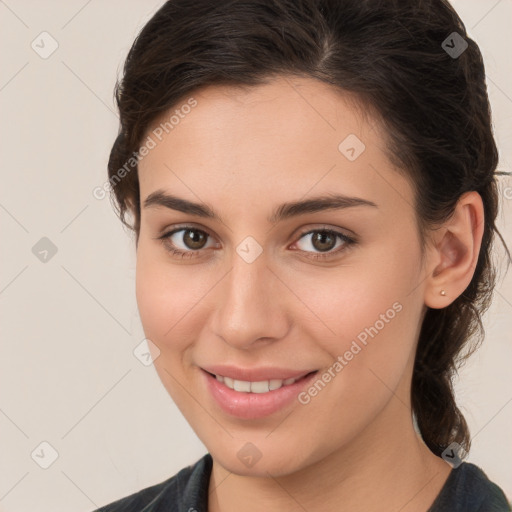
x: 282, y: 212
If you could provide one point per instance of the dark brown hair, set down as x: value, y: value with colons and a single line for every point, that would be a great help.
x: 390, y: 55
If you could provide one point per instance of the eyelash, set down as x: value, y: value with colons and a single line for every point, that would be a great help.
x: 348, y: 241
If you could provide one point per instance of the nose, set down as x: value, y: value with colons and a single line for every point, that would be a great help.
x: 252, y: 305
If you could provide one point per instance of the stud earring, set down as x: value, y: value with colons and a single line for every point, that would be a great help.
x: 443, y: 293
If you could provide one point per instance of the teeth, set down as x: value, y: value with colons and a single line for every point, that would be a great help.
x: 260, y: 387
x: 242, y: 385
x: 263, y: 386
x: 274, y: 384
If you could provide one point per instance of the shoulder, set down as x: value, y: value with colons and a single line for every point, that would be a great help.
x: 188, y: 487
x: 468, y: 489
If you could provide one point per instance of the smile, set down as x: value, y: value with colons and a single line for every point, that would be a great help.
x: 263, y: 386
x: 250, y: 400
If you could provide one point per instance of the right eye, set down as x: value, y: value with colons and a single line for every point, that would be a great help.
x: 185, y: 245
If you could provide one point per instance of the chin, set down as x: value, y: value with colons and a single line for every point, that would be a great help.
x: 246, y: 458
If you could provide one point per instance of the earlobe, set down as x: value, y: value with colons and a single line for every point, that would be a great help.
x: 454, y: 255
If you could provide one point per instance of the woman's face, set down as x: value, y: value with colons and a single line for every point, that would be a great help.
x: 250, y: 292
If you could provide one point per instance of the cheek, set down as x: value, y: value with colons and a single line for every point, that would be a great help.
x: 366, y: 314
x: 158, y: 296
x: 167, y: 299
x: 370, y: 352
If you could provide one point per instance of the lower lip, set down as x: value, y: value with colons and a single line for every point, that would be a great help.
x: 254, y: 405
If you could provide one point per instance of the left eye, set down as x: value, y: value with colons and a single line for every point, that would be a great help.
x: 324, y: 240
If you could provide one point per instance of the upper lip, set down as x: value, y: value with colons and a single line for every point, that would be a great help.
x: 256, y: 374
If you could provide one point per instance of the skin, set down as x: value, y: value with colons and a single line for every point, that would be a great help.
x: 243, y: 152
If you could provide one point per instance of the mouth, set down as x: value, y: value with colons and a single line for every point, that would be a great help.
x: 250, y: 400
x: 262, y: 386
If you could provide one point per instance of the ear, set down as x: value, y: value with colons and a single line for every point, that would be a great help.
x: 453, y: 253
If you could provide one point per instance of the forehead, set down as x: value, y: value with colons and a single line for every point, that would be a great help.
x: 298, y: 104
x: 288, y: 136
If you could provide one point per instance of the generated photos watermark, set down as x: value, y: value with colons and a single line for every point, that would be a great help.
x: 151, y: 141
x: 357, y: 345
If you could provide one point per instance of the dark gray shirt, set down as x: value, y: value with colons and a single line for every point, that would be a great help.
x: 467, y: 489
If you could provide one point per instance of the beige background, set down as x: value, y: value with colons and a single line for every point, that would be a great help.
x: 68, y: 375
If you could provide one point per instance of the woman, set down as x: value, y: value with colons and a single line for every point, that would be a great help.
x: 313, y: 192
